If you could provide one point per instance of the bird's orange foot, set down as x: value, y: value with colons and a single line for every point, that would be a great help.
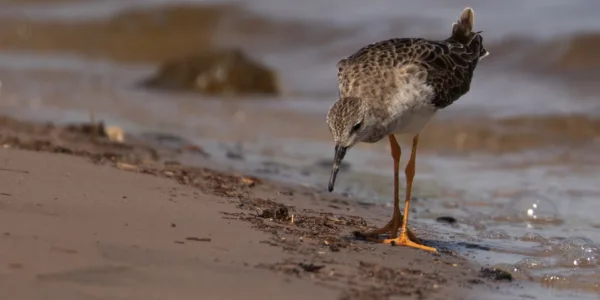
x: 403, y: 240
x: 372, y: 235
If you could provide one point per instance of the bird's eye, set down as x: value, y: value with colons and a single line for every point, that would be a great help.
x: 356, y: 127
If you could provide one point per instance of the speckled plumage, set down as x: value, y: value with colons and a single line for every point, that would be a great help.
x: 397, y: 85
x: 446, y: 65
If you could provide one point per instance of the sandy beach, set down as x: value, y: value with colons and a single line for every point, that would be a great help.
x: 85, y: 219
x: 217, y: 187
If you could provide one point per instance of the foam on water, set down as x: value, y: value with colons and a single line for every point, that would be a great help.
x: 540, y: 238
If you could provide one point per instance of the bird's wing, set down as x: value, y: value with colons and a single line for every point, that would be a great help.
x: 371, y: 63
x: 448, y: 64
x: 450, y: 69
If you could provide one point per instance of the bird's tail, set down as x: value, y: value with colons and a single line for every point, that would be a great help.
x: 463, y: 28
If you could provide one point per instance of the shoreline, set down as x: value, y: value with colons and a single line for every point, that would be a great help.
x: 311, y: 251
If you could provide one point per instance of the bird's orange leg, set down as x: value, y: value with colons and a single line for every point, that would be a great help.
x: 405, y: 238
x: 393, y: 225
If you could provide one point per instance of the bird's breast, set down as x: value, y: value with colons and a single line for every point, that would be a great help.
x: 411, y: 108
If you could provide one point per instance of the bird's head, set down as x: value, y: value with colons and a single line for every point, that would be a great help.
x: 350, y: 121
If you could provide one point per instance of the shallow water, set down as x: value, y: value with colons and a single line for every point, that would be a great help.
x: 531, y: 213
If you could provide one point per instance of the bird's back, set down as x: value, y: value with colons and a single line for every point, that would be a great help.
x: 446, y: 65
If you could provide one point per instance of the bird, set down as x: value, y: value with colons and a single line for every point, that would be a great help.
x: 395, y: 87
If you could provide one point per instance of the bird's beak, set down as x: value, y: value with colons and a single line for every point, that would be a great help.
x: 340, y: 152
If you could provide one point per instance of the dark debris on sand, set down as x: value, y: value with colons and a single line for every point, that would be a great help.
x: 495, y: 274
x: 75, y: 139
x: 299, y: 231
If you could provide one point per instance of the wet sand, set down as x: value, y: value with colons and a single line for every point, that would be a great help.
x: 74, y: 226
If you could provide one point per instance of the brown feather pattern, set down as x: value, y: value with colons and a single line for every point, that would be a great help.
x: 449, y: 65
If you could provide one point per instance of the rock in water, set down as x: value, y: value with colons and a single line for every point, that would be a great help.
x: 219, y: 72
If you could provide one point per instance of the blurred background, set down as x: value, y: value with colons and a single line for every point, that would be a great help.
x: 515, y: 161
